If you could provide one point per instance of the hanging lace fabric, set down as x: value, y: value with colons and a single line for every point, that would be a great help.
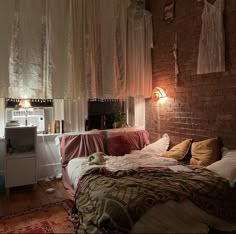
x: 211, y: 54
x: 139, y: 66
x: 26, y: 57
x: 37, y: 59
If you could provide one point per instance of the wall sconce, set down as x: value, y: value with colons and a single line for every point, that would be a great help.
x: 158, y: 93
x: 25, y: 104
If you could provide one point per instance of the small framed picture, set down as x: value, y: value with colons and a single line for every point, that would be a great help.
x: 169, y: 11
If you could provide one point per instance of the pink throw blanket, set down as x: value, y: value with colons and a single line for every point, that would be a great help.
x: 74, y: 146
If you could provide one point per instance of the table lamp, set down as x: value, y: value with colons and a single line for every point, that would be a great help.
x: 25, y: 104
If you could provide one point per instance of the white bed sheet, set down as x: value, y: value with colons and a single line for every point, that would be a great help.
x: 77, y: 167
x: 170, y: 217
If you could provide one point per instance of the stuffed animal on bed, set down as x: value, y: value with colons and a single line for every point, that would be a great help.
x: 97, y: 158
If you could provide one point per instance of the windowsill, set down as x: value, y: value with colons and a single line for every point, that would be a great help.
x: 49, y: 134
x: 2, y: 138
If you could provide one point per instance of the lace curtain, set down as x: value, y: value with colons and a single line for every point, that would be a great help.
x: 34, y: 48
x: 6, y: 17
x: 211, y: 54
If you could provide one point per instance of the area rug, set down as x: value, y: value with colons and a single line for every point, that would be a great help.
x: 51, y: 218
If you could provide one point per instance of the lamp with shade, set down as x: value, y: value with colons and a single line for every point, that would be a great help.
x: 158, y: 93
x: 26, y: 105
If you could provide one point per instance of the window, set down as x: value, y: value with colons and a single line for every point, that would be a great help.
x: 101, y: 112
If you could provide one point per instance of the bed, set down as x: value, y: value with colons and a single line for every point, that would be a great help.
x: 141, y: 192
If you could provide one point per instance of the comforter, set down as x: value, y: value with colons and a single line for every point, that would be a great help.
x: 112, y: 202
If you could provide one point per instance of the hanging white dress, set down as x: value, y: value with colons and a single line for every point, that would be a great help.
x: 211, y: 54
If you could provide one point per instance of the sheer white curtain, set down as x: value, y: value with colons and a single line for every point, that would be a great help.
x: 102, y: 43
x: 2, y: 117
x: 33, y: 48
x: 73, y: 50
x: 113, y: 47
x: 26, y: 57
x: 6, y: 17
x: 37, y: 54
x: 139, y: 66
x: 75, y: 93
x: 98, y: 56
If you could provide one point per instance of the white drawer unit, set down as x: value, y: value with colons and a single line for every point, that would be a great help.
x: 20, y: 156
x: 20, y: 171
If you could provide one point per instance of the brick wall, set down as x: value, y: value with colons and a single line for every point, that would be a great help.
x: 201, y: 106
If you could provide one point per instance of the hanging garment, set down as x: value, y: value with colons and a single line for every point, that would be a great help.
x: 211, y: 54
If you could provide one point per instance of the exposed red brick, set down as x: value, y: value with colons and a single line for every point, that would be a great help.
x: 202, y: 106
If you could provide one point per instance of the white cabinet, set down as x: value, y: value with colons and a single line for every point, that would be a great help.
x: 20, y: 156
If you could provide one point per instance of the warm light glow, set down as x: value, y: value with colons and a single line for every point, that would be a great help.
x: 25, y: 103
x: 158, y: 93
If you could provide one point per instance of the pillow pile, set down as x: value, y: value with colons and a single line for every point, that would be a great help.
x: 202, y: 153
x: 179, y: 151
x: 226, y: 167
x: 205, y: 152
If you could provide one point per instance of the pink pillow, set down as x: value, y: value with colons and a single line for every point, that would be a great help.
x: 118, y: 145
x: 138, y: 139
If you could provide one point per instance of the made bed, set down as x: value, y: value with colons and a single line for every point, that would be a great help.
x: 144, y: 192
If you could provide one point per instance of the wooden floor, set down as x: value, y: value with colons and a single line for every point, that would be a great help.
x: 27, y: 197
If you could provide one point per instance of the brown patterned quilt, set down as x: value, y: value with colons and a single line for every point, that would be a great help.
x: 111, y: 202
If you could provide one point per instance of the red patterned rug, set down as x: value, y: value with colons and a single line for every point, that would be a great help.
x: 52, y: 218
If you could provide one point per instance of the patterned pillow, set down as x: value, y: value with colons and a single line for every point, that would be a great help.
x: 179, y: 151
x: 205, y: 152
x: 118, y: 145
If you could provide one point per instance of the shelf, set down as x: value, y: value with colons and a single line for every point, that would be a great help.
x: 20, y: 126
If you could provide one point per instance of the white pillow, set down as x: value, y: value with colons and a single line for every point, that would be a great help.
x: 226, y: 167
x: 226, y: 153
x: 158, y: 146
